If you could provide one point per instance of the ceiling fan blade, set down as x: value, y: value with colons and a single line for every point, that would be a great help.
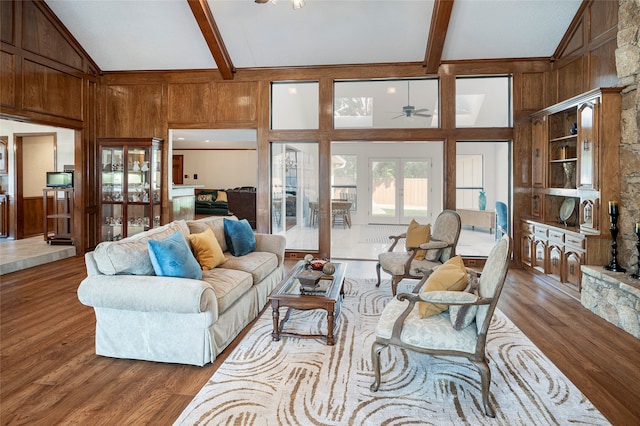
x: 423, y: 115
x: 422, y: 110
x: 262, y: 1
x: 401, y: 115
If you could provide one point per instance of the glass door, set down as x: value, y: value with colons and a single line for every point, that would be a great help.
x: 399, y: 190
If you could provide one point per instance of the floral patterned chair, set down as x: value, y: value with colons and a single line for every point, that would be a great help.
x: 440, y: 248
x: 459, y: 331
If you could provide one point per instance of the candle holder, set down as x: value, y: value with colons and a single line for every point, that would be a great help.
x: 613, y: 265
x: 636, y: 275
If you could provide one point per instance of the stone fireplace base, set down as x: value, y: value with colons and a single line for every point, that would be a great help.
x: 613, y: 296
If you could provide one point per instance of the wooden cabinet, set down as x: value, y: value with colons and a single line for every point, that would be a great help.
x: 130, y: 186
x: 557, y: 253
x: 570, y: 142
x: 567, y: 227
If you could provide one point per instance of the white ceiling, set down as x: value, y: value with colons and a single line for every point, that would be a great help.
x: 130, y: 35
x: 162, y: 34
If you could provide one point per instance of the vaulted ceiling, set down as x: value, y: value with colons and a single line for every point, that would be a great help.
x: 235, y: 34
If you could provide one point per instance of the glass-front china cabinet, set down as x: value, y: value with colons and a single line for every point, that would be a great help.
x: 130, y: 186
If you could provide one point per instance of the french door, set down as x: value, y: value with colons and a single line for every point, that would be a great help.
x: 400, y: 189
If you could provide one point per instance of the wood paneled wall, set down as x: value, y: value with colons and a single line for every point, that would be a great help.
x: 47, y: 78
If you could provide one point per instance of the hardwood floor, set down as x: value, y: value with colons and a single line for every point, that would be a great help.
x: 50, y: 374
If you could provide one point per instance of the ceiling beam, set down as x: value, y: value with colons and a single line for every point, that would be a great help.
x: 209, y: 29
x: 437, y: 35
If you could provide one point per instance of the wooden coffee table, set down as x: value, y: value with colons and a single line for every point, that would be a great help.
x: 290, y: 294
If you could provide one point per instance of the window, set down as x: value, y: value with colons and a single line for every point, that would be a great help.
x: 483, y: 102
x: 344, y: 179
x: 385, y: 104
x: 294, y: 105
x: 469, y: 180
x: 294, y: 193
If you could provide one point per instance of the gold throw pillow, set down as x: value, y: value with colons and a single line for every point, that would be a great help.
x: 451, y: 276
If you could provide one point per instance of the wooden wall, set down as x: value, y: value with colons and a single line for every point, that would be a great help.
x: 147, y: 104
x: 47, y: 78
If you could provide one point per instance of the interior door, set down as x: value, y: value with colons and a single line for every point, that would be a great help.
x: 177, y: 169
x: 399, y: 190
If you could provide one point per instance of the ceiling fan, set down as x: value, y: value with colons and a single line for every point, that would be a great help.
x: 410, y: 111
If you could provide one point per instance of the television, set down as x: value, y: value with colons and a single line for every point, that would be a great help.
x: 59, y: 179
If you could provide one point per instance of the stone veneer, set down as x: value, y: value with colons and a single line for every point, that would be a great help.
x: 628, y: 70
x: 613, y: 296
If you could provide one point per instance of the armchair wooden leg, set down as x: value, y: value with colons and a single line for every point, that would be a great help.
x: 375, y: 360
x: 485, y: 376
x: 378, y: 273
x: 394, y: 284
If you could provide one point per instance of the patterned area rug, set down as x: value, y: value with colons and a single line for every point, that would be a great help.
x: 305, y: 382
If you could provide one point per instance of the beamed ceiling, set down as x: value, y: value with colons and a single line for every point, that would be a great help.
x: 228, y: 35
x: 144, y: 35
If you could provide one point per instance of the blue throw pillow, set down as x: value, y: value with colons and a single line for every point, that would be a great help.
x: 239, y: 237
x: 172, y: 257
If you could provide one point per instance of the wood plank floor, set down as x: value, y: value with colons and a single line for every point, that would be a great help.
x: 50, y: 375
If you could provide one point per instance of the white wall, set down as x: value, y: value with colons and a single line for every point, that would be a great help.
x: 65, y: 140
x: 37, y: 159
x: 220, y: 169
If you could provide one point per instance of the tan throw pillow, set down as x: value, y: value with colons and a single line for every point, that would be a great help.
x: 451, y: 276
x: 206, y: 249
x: 418, y: 234
x: 222, y: 196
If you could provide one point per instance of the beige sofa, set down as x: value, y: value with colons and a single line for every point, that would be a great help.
x: 143, y: 316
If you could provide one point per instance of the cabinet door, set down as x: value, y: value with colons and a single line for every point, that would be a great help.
x: 540, y: 255
x: 555, y: 262
x: 527, y: 245
x: 572, y: 273
x: 539, y: 137
x: 587, y: 145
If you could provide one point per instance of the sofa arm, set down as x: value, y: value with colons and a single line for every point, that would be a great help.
x: 146, y: 293
x: 272, y: 243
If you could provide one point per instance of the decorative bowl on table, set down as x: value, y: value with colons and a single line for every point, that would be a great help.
x: 318, y: 264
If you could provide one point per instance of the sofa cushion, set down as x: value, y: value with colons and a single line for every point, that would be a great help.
x: 131, y: 255
x: 228, y: 285
x: 206, y: 249
x: 258, y: 263
x: 239, y: 236
x: 172, y: 257
x: 215, y: 223
x: 221, y: 197
x: 205, y: 196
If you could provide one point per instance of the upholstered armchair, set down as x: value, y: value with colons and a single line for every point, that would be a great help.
x: 458, y: 331
x: 440, y: 248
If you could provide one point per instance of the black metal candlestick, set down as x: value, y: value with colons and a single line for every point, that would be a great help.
x: 636, y: 275
x: 613, y: 265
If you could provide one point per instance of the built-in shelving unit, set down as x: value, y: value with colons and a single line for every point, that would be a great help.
x: 574, y: 173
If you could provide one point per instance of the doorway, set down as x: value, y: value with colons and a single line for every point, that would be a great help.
x: 399, y: 190
x: 177, y: 169
x: 35, y: 155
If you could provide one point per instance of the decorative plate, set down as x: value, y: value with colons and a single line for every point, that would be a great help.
x: 566, y: 209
